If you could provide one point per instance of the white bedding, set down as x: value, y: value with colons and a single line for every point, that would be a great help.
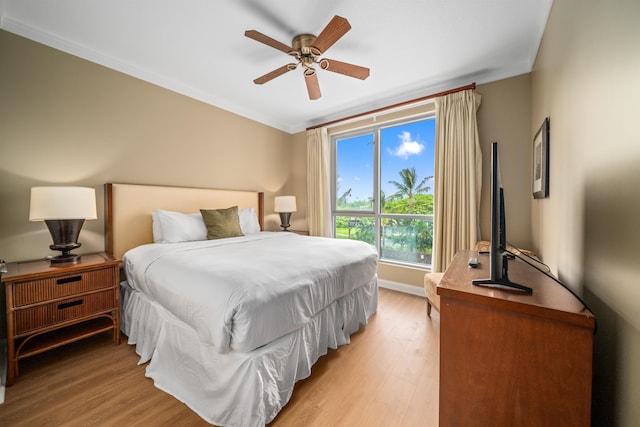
x: 237, y: 389
x: 242, y: 370
x: 244, y: 292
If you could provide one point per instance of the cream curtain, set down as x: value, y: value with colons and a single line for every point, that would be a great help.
x: 318, y: 183
x: 458, y: 177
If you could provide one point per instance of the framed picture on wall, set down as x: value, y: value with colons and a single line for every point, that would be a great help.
x: 541, y: 161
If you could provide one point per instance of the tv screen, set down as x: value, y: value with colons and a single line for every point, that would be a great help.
x: 498, y: 260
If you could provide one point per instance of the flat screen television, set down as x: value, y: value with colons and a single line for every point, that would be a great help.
x: 498, y: 255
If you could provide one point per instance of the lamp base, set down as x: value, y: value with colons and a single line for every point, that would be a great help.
x: 65, y: 259
x: 284, y: 220
x: 64, y: 233
x: 66, y: 255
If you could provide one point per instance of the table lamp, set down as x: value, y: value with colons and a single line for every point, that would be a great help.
x: 63, y: 210
x: 284, y: 205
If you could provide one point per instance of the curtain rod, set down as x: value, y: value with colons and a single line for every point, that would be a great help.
x: 471, y: 86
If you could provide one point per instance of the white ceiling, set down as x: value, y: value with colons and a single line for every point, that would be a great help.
x: 198, y: 48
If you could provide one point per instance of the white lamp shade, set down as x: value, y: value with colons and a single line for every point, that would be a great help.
x: 285, y: 204
x: 62, y: 203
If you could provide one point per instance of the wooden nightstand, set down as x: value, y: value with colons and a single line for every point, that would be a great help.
x: 52, y: 305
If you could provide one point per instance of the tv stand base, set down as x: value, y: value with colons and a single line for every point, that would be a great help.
x: 504, y: 284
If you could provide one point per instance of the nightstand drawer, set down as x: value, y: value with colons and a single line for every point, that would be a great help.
x: 33, y: 318
x: 35, y: 291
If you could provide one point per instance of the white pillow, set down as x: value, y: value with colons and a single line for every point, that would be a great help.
x: 248, y: 221
x: 157, y: 228
x: 173, y: 227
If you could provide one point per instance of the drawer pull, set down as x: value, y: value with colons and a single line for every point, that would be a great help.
x: 68, y: 280
x: 69, y: 304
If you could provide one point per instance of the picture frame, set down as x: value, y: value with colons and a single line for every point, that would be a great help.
x: 540, y: 176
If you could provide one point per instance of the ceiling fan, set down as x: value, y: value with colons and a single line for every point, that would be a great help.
x: 307, y: 49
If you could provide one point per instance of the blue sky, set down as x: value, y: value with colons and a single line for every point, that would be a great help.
x: 401, y: 146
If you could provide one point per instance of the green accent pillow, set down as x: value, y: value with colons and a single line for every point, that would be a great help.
x: 222, y: 223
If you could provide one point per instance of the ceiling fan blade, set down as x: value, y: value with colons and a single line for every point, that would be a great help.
x: 258, y: 36
x: 313, y: 87
x: 273, y: 74
x: 344, y: 68
x: 335, y: 29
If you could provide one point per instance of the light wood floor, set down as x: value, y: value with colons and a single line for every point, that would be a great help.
x: 388, y: 375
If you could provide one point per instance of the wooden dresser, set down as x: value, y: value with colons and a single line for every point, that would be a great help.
x: 49, y: 305
x: 510, y: 359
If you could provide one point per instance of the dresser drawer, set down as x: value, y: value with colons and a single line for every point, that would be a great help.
x: 33, y: 318
x: 35, y: 291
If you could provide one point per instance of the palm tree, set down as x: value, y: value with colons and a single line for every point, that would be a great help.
x: 408, y: 188
x: 342, y: 200
x: 383, y: 200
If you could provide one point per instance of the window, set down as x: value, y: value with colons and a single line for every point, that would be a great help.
x: 383, y: 188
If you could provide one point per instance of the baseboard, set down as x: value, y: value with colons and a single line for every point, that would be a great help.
x: 3, y: 368
x: 402, y: 287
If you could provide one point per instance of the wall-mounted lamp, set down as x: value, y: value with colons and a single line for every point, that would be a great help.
x: 64, y: 210
x: 284, y: 205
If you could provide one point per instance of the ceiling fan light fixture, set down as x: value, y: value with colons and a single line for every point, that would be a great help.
x: 303, y: 42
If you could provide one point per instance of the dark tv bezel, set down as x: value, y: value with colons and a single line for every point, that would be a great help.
x: 498, y: 261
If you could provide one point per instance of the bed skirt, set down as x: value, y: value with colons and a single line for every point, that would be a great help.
x: 237, y: 389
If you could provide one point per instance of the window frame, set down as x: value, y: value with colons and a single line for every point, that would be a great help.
x: 375, y: 212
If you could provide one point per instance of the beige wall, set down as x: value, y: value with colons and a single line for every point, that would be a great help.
x: 586, y: 79
x: 504, y: 117
x: 64, y: 120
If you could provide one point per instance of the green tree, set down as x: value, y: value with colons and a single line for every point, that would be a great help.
x: 383, y: 201
x: 409, y: 187
x: 365, y: 230
x: 422, y: 204
x: 342, y: 200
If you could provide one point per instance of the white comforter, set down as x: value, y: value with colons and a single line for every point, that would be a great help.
x: 243, y: 292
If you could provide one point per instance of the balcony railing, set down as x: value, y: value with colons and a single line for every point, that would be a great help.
x: 399, y: 238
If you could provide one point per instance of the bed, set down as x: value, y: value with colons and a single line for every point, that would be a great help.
x: 229, y: 325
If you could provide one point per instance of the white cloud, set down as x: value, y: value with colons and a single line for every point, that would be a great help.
x: 339, y: 179
x: 357, y: 178
x: 407, y: 147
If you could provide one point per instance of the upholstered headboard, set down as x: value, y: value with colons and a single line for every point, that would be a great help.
x: 128, y: 209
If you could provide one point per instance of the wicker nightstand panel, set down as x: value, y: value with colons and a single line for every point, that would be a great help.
x: 50, y: 305
x: 30, y: 319
x: 35, y: 291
